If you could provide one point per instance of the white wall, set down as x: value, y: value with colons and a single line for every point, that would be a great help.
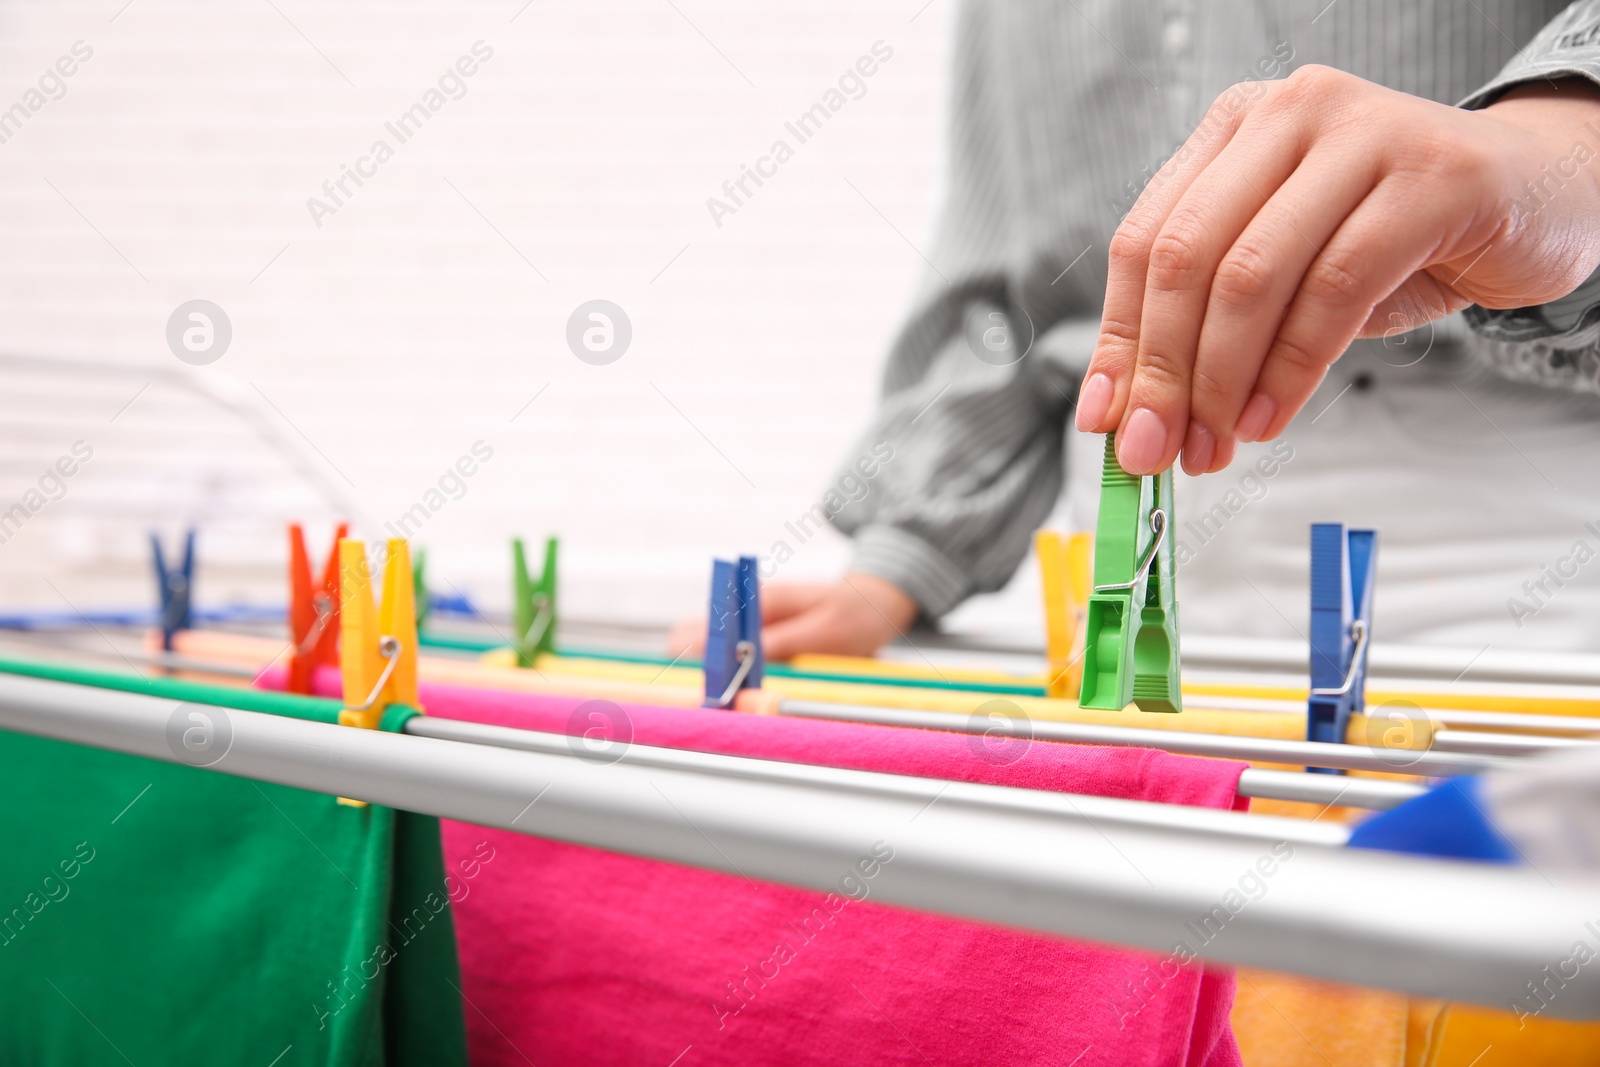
x: 424, y: 313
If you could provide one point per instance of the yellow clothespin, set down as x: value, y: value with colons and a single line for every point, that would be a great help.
x: 1065, y: 572
x: 377, y: 646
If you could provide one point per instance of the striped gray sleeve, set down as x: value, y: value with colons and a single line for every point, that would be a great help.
x: 976, y: 459
x: 1569, y: 47
x: 1557, y: 344
x: 971, y: 412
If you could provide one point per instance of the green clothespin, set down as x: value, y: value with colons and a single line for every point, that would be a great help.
x: 419, y: 586
x: 1131, y: 631
x: 533, y: 610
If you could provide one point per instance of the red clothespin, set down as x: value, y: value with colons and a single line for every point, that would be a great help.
x: 313, y: 610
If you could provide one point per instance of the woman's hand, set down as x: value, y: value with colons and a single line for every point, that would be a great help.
x: 852, y: 617
x: 1305, y: 213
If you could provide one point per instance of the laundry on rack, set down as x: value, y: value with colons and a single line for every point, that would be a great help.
x: 162, y: 913
x: 1549, y: 808
x: 1544, y: 812
x: 1284, y: 1020
x: 1291, y: 1009
x: 1461, y: 1035
x: 572, y: 955
x: 1448, y: 820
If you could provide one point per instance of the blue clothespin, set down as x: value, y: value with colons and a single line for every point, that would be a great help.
x: 1343, y: 565
x: 176, y: 588
x: 733, y: 642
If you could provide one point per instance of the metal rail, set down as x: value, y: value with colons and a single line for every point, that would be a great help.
x: 1474, y: 933
x: 922, y: 790
x: 1267, y: 750
x: 1326, y: 789
x: 1274, y: 785
x: 1496, y: 744
x: 1386, y: 661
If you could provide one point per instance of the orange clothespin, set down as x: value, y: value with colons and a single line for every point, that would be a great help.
x: 1065, y: 573
x: 377, y: 646
x: 313, y: 610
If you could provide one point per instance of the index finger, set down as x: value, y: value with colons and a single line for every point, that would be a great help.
x: 1104, y: 394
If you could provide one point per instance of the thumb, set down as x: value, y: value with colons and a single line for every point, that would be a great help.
x: 1420, y: 300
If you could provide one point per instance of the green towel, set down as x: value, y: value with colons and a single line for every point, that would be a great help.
x: 159, y: 914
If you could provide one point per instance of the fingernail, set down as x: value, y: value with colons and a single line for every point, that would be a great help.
x: 1199, y: 446
x: 1255, y: 418
x: 1094, y: 400
x: 1223, y: 455
x: 1141, y: 442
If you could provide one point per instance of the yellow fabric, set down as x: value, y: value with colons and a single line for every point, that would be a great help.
x: 1280, y: 1020
x: 1460, y: 1035
x: 1458, y: 701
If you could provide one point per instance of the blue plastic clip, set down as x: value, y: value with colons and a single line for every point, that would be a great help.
x: 733, y: 642
x: 176, y: 588
x: 1343, y: 565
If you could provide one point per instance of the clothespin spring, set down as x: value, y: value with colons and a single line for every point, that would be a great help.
x: 172, y: 613
x: 1358, y: 633
x: 746, y: 651
x: 541, y: 621
x: 1158, y: 527
x: 389, y: 649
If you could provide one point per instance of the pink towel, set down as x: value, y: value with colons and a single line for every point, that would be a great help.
x: 572, y: 955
